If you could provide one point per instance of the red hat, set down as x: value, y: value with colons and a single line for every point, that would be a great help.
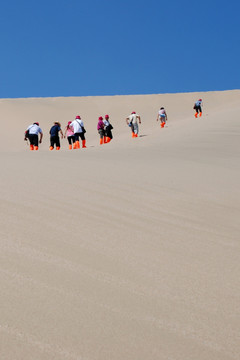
x: 100, y: 118
x: 77, y: 117
x: 37, y: 123
x: 200, y: 100
x: 106, y: 116
x: 69, y: 122
x: 133, y: 112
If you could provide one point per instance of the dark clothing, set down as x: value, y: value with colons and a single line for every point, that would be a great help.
x: 198, y: 108
x: 54, y: 140
x: 33, y: 138
x: 71, y: 139
x: 54, y: 130
x: 108, y: 131
x: 81, y: 135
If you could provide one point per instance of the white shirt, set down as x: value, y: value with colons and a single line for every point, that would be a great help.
x: 162, y: 112
x: 34, y: 129
x: 133, y: 118
x: 77, y: 126
x: 198, y: 103
x: 106, y: 122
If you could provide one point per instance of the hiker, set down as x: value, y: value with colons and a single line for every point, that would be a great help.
x: 108, y: 129
x: 198, y: 108
x: 70, y: 135
x: 101, y: 130
x: 79, y: 131
x: 32, y: 134
x: 162, y: 116
x: 132, y: 121
x: 54, y: 136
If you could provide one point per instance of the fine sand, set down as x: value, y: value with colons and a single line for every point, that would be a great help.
x: 126, y: 251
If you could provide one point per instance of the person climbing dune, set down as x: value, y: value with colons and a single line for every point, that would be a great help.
x: 101, y: 130
x: 108, y: 129
x: 162, y: 116
x: 32, y: 134
x: 198, y: 108
x: 132, y: 121
x: 79, y: 131
x: 70, y: 135
x: 54, y: 136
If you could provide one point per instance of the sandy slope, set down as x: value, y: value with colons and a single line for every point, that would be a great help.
x: 126, y: 251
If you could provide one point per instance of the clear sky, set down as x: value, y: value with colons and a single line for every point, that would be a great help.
x: 109, y: 47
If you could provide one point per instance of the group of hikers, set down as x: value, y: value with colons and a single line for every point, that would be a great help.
x: 75, y: 131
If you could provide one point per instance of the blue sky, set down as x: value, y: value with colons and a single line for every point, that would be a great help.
x: 102, y: 47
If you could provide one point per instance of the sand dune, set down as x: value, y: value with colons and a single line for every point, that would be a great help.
x: 128, y: 250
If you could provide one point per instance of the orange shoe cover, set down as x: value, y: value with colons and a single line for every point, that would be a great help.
x: 70, y: 147
x: 196, y: 114
x: 51, y: 148
x: 35, y: 147
x: 31, y: 147
x: 74, y: 145
x: 105, y: 139
x: 136, y: 135
x: 84, y: 143
x: 108, y: 139
x: 133, y: 135
x: 200, y: 114
x: 58, y: 148
x: 101, y: 141
x: 162, y: 124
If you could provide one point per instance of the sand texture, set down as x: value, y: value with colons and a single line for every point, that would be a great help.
x: 126, y: 251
